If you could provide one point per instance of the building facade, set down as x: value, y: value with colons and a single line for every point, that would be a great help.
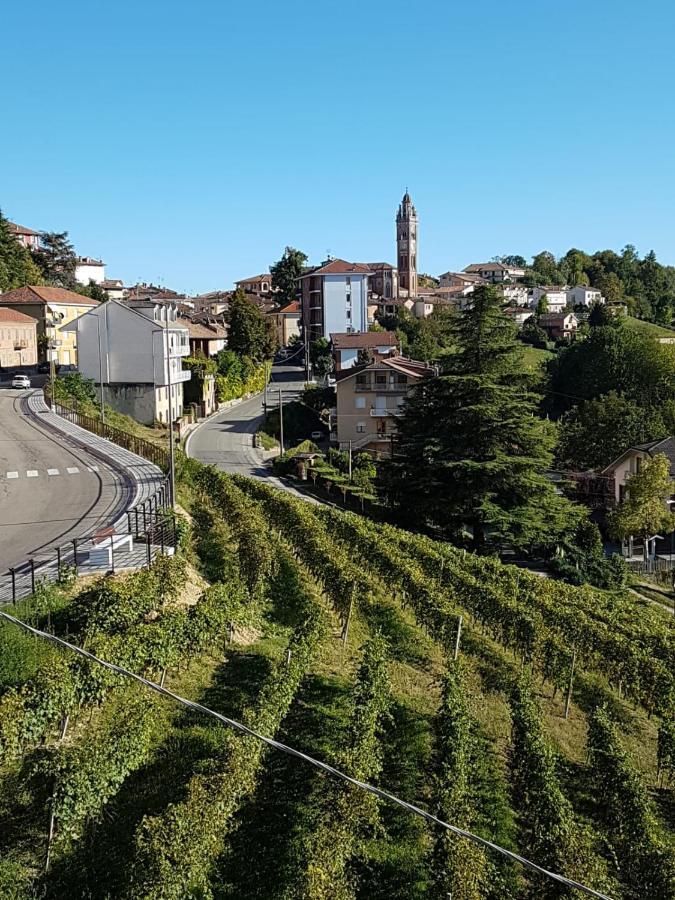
x: 406, y: 247
x: 287, y: 322
x: 53, y: 308
x: 581, y: 295
x: 495, y: 272
x: 334, y: 297
x: 369, y: 400
x: 26, y: 236
x: 346, y: 346
x: 18, y: 339
x: 257, y: 284
x: 88, y: 269
x: 133, y: 351
x: 556, y: 297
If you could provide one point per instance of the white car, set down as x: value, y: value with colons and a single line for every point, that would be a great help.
x: 21, y: 381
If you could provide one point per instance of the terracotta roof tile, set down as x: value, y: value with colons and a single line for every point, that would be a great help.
x: 43, y: 294
x: 364, y: 340
x: 13, y: 315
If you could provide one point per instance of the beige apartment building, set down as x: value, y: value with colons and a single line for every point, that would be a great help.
x: 369, y: 400
x: 18, y: 339
x: 53, y: 308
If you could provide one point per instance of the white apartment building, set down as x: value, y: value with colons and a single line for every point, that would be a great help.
x: 515, y: 294
x: 582, y: 295
x: 334, y: 298
x: 135, y: 350
x: 556, y: 297
x: 88, y: 269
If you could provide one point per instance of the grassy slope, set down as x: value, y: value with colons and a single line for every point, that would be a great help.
x: 649, y: 328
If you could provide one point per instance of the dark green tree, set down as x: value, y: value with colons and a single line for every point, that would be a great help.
x: 471, y: 451
x: 286, y: 271
x: 321, y: 357
x: 250, y: 332
x: 57, y: 259
x: 513, y: 259
x: 594, y: 433
x: 17, y: 267
x: 545, y: 268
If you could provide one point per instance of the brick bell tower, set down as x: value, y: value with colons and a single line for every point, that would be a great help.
x: 406, y: 246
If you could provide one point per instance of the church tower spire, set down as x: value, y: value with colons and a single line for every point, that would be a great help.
x: 406, y: 246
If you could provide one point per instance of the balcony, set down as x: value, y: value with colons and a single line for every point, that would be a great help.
x: 392, y: 388
x: 380, y: 411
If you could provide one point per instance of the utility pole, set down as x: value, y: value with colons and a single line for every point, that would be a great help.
x: 306, y: 337
x: 350, y: 460
x: 100, y: 365
x: 172, y: 462
x: 281, y: 421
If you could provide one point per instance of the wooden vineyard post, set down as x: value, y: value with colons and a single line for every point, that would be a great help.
x: 345, y: 631
x: 569, y: 687
x: 50, y: 834
x: 457, y: 639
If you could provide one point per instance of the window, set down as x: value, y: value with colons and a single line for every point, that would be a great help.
x: 362, y: 379
x: 380, y: 379
x: 360, y: 403
x: 360, y: 427
x: 348, y: 313
x: 401, y: 379
x: 348, y: 280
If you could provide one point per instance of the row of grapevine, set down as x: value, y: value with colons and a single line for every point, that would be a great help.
x: 339, y: 817
x: 529, y: 621
x: 67, y: 684
x: 644, y: 860
x: 554, y: 838
x: 458, y: 868
x: 175, y: 851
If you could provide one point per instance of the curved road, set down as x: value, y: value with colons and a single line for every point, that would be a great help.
x: 226, y: 439
x: 50, y: 491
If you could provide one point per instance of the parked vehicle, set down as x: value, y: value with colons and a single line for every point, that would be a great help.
x: 21, y: 381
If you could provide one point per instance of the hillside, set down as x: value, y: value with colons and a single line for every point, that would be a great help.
x: 336, y: 636
x: 649, y: 328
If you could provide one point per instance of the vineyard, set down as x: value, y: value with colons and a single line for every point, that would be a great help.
x: 535, y: 715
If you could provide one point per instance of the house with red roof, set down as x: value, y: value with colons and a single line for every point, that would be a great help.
x: 53, y: 308
x: 18, y: 339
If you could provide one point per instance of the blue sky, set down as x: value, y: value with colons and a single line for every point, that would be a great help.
x: 190, y: 142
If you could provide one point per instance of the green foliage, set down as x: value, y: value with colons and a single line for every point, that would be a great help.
x: 250, y: 332
x: 596, y: 432
x: 321, y: 357
x: 644, y: 511
x: 286, y: 271
x: 644, y: 861
x: 57, y: 259
x: 176, y: 850
x: 581, y: 560
x: 666, y: 747
x: 342, y: 816
x: 74, y: 387
x: 238, y: 375
x: 459, y: 868
x: 17, y: 267
x: 554, y: 839
x: 471, y: 451
x: 614, y: 358
x: 426, y: 339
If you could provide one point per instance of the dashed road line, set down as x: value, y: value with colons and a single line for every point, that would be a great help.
x: 53, y: 472
x: 32, y: 473
x: 12, y: 474
x: 72, y: 470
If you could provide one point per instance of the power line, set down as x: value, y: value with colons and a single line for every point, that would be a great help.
x: 291, y: 751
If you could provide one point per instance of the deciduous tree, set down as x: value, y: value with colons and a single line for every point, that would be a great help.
x: 645, y: 511
x: 250, y: 333
x: 286, y: 271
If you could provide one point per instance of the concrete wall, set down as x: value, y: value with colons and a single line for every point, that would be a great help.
x: 86, y: 273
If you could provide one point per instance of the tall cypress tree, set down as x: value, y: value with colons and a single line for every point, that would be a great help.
x: 471, y: 451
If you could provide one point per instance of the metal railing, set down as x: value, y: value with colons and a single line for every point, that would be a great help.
x: 131, y: 442
x: 149, y: 529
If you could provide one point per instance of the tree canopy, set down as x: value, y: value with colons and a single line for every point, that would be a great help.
x: 471, y: 452
x: 57, y: 259
x: 17, y: 266
x: 645, y: 511
x: 286, y: 271
x: 250, y: 333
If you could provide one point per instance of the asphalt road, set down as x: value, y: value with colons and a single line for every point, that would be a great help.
x: 50, y: 492
x: 226, y: 439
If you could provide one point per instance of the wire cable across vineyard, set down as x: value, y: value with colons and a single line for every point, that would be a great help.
x: 291, y: 751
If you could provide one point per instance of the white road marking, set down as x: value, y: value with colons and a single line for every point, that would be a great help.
x: 32, y: 473
x: 12, y: 474
x: 93, y: 468
x: 53, y: 472
x: 72, y: 470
